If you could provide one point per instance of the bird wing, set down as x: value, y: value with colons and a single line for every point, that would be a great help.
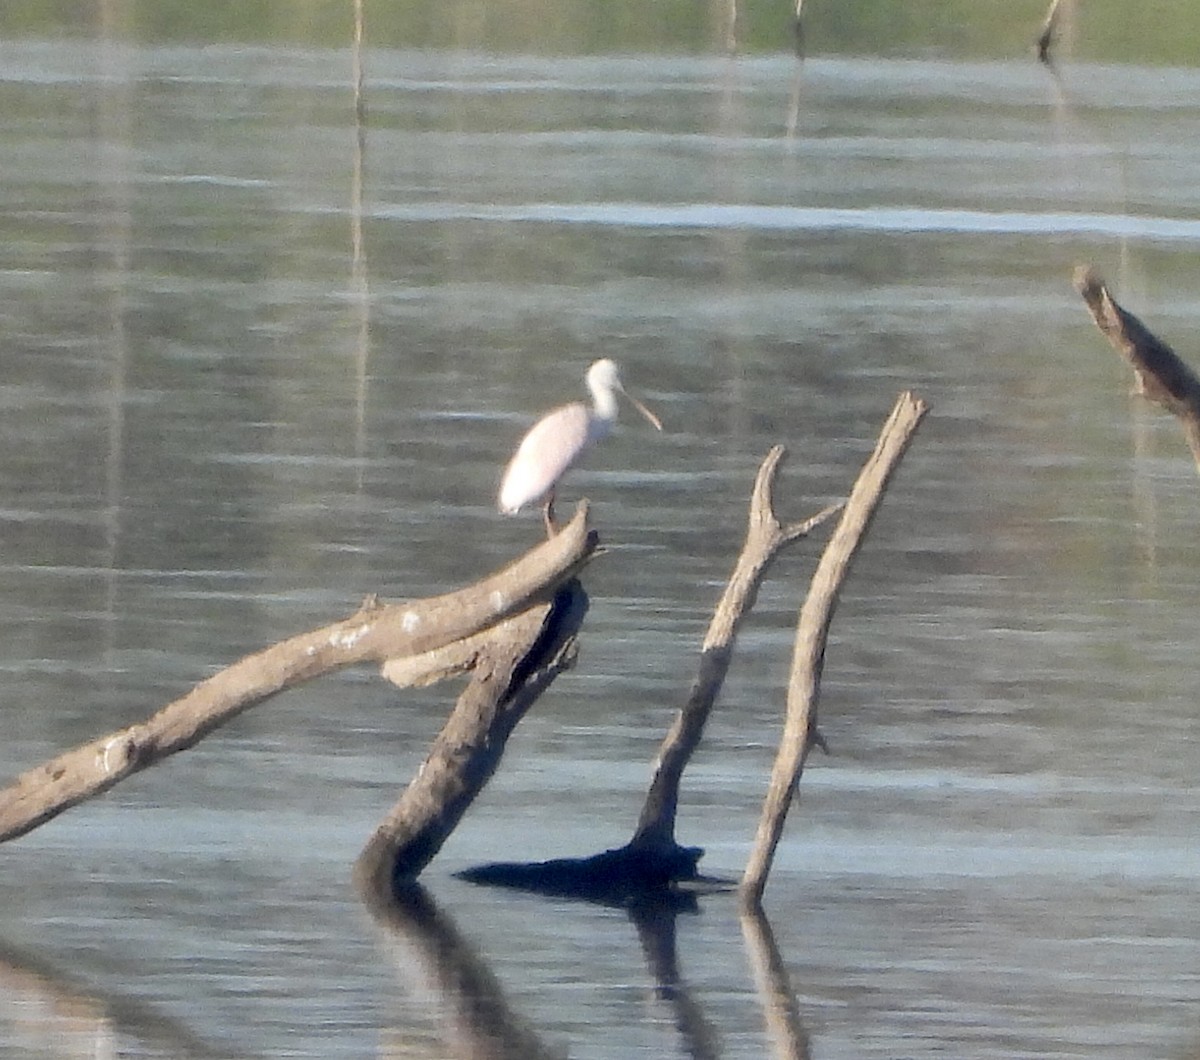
x: 545, y: 453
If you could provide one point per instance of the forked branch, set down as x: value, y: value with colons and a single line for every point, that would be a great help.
x: 765, y: 537
x: 652, y: 860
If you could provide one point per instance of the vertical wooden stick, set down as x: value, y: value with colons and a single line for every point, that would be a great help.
x: 798, y: 29
x: 813, y: 631
x: 765, y: 537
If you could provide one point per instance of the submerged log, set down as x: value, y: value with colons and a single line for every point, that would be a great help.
x: 619, y: 876
x: 1160, y: 375
x: 376, y: 634
x: 800, y: 727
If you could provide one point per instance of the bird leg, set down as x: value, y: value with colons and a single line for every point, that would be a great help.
x: 548, y: 515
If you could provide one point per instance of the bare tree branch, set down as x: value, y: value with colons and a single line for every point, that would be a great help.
x: 812, y: 633
x: 522, y: 656
x: 652, y: 860
x: 1160, y: 374
x: 765, y: 537
x: 375, y: 634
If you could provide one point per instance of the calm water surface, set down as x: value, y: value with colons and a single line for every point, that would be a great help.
x: 250, y: 374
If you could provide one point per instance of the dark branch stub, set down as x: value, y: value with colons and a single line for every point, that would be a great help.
x: 619, y: 876
x: 1049, y: 35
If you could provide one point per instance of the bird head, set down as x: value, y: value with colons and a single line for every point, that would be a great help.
x: 604, y: 379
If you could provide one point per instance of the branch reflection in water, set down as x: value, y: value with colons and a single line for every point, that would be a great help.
x: 475, y: 1016
x: 57, y: 1016
x: 655, y: 924
x: 781, y: 1014
x: 478, y: 1022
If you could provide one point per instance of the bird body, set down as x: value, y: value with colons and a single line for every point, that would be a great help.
x: 559, y: 438
x: 552, y: 445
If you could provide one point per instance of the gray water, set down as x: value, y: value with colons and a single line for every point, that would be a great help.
x: 250, y: 374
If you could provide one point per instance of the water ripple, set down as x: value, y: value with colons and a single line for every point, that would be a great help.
x: 807, y: 218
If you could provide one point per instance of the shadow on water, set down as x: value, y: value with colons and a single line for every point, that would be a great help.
x: 435, y: 958
x: 623, y: 877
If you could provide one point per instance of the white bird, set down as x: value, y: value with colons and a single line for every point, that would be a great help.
x: 555, y: 442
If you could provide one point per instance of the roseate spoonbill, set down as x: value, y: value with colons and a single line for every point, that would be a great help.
x: 555, y: 442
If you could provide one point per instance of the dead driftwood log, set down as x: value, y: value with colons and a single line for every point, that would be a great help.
x: 808, y: 659
x: 376, y: 634
x: 1159, y: 373
x: 515, y: 665
x: 513, y: 632
x: 653, y: 858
